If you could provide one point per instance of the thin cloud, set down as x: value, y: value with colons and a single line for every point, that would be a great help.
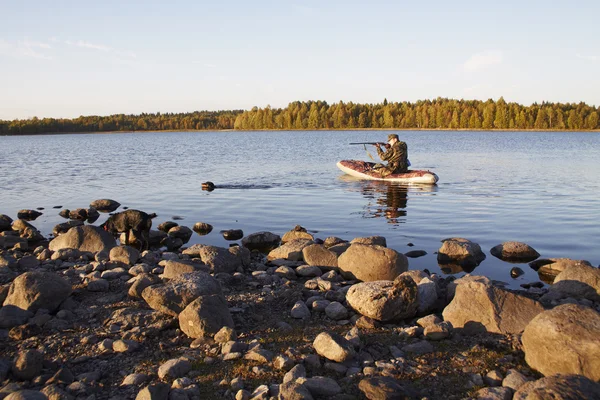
x: 24, y: 48
x: 88, y: 45
x: 121, y: 56
x: 482, y: 60
x: 41, y: 45
x: 588, y: 57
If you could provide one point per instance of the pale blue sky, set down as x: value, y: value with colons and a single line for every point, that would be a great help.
x: 71, y: 58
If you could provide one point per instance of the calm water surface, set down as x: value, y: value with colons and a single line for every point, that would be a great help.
x: 538, y: 188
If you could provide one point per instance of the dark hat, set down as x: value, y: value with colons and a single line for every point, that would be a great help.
x: 393, y: 136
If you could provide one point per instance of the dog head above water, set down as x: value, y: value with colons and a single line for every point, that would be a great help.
x: 208, y: 186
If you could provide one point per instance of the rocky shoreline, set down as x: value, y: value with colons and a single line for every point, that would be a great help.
x: 288, y: 317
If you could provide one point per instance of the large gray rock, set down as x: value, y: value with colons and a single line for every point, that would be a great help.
x: 549, y: 268
x: 85, y: 238
x: 27, y: 231
x: 27, y: 365
x: 334, y: 347
x: 261, y: 241
x: 141, y: 282
x: 322, y: 386
x: 205, y: 316
x: 300, y: 310
x: 318, y: 255
x: 219, y: 259
x: 370, y: 240
x: 559, y: 387
x: 514, y: 379
x: 174, y: 268
x: 34, y: 290
x: 124, y: 254
x: 564, y: 340
x: 172, y: 297
x: 105, y: 205
x: 515, y: 252
x: 371, y: 263
x: 291, y: 250
x: 384, y: 388
x: 174, y: 368
x: 579, y: 281
x: 156, y: 391
x: 494, y: 393
x: 296, y: 234
x: 478, y: 306
x: 55, y: 392
x: 293, y: 390
x: 460, y: 251
x: 385, y: 300
x: 428, y: 296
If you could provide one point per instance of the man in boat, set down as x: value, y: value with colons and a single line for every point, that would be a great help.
x: 396, y: 155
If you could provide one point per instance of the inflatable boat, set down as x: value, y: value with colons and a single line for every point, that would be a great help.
x: 364, y: 170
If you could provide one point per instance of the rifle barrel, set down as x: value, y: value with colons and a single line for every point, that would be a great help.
x: 367, y: 143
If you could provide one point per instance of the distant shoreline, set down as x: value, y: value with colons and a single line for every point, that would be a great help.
x: 311, y: 130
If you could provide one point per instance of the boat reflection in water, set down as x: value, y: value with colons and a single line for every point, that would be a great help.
x: 386, y: 199
x: 389, y: 200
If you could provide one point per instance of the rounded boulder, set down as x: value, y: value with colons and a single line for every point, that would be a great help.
x: 34, y: 290
x: 564, y: 340
x: 385, y: 300
x: 371, y: 263
x: 205, y: 316
x: 514, y: 252
x: 460, y: 251
x: 85, y: 238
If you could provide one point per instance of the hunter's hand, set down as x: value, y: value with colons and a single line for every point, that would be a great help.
x: 387, y: 145
x: 377, y: 144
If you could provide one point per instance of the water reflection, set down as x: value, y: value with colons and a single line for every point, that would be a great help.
x: 452, y: 269
x: 387, y: 200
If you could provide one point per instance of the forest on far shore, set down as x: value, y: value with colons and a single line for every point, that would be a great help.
x: 440, y: 113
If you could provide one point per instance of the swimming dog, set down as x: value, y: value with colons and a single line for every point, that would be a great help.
x: 138, y: 223
x: 208, y: 186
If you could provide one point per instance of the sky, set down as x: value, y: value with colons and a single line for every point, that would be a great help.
x: 70, y: 58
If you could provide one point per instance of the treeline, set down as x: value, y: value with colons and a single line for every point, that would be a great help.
x: 209, y: 120
x: 440, y: 113
x: 427, y: 114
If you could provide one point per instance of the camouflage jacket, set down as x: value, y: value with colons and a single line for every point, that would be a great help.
x: 396, y: 157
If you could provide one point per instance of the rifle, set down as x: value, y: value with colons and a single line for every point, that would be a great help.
x: 375, y: 143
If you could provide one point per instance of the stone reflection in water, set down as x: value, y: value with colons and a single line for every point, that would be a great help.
x: 451, y: 269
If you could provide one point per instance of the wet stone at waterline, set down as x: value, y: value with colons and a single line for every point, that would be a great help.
x: 232, y: 234
x: 105, y: 205
x: 28, y: 215
x: 167, y: 225
x: 202, y: 228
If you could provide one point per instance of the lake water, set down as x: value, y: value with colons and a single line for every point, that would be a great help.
x: 541, y: 188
